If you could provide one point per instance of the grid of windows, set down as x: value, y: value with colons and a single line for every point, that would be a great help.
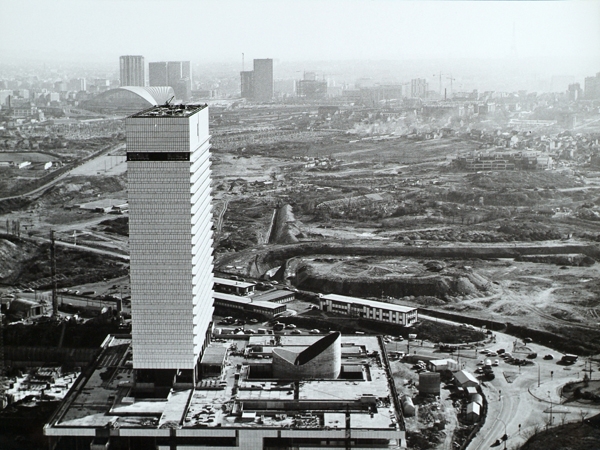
x: 170, y: 239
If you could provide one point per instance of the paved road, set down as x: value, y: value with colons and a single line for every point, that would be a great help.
x: 83, y: 247
x: 60, y: 177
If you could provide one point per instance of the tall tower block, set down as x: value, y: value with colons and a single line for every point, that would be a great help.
x: 170, y: 236
x: 132, y: 70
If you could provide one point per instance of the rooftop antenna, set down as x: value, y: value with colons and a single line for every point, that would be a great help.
x: 242, y: 62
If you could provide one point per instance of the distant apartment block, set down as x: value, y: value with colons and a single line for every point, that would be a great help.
x: 418, y: 88
x: 310, y: 88
x: 592, y: 87
x: 258, y: 84
x: 247, y: 83
x: 503, y: 160
x: 132, y: 70
x: 177, y: 74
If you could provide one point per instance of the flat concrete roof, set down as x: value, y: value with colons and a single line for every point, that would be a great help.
x: 273, y: 295
x: 233, y: 283
x: 369, y: 303
x: 218, y: 402
x: 245, y: 300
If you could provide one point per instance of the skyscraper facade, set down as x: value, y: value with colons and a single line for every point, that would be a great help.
x: 247, y: 84
x: 132, y: 71
x: 170, y: 235
x: 263, y: 80
x: 157, y: 74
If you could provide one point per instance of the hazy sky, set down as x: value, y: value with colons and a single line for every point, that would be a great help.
x: 207, y: 30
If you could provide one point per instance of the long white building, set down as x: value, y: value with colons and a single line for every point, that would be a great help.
x: 368, y: 309
x: 170, y: 236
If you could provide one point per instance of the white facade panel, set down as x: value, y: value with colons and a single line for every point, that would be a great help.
x: 170, y: 236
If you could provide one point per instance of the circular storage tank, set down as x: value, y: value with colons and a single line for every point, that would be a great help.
x: 429, y: 383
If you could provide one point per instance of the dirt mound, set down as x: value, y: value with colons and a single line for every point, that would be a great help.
x: 13, y: 253
x: 284, y: 229
x: 381, y: 283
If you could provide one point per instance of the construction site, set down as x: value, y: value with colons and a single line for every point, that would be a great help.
x: 327, y: 207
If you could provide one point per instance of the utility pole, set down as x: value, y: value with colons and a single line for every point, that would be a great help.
x: 53, y: 274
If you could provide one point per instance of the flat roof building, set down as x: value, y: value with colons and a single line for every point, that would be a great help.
x: 368, y: 309
x: 276, y: 296
x: 170, y: 220
x: 233, y: 286
x: 247, y: 304
x: 242, y: 406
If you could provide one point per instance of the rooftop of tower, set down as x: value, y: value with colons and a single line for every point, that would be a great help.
x: 168, y: 110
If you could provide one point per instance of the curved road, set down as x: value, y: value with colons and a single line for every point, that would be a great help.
x: 62, y: 176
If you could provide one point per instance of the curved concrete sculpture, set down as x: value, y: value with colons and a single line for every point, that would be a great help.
x: 322, y: 360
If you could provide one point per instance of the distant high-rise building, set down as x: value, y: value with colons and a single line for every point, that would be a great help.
x: 77, y: 84
x: 311, y: 89
x: 177, y: 74
x: 592, y: 87
x: 170, y: 235
x: 132, y: 70
x: 157, y: 74
x: 247, y: 81
x: 574, y: 91
x: 263, y: 80
x: 418, y: 88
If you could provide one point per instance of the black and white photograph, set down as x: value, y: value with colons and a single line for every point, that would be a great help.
x: 299, y: 225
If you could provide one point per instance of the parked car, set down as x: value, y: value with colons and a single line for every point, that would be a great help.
x: 532, y: 356
x: 295, y: 332
x: 496, y: 363
x: 290, y: 326
x: 314, y: 331
x: 549, y: 356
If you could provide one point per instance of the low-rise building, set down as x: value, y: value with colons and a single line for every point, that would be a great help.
x: 241, y: 405
x: 465, y: 379
x: 276, y: 296
x: 368, y: 309
x: 228, y: 286
x: 247, y: 304
x: 437, y: 365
